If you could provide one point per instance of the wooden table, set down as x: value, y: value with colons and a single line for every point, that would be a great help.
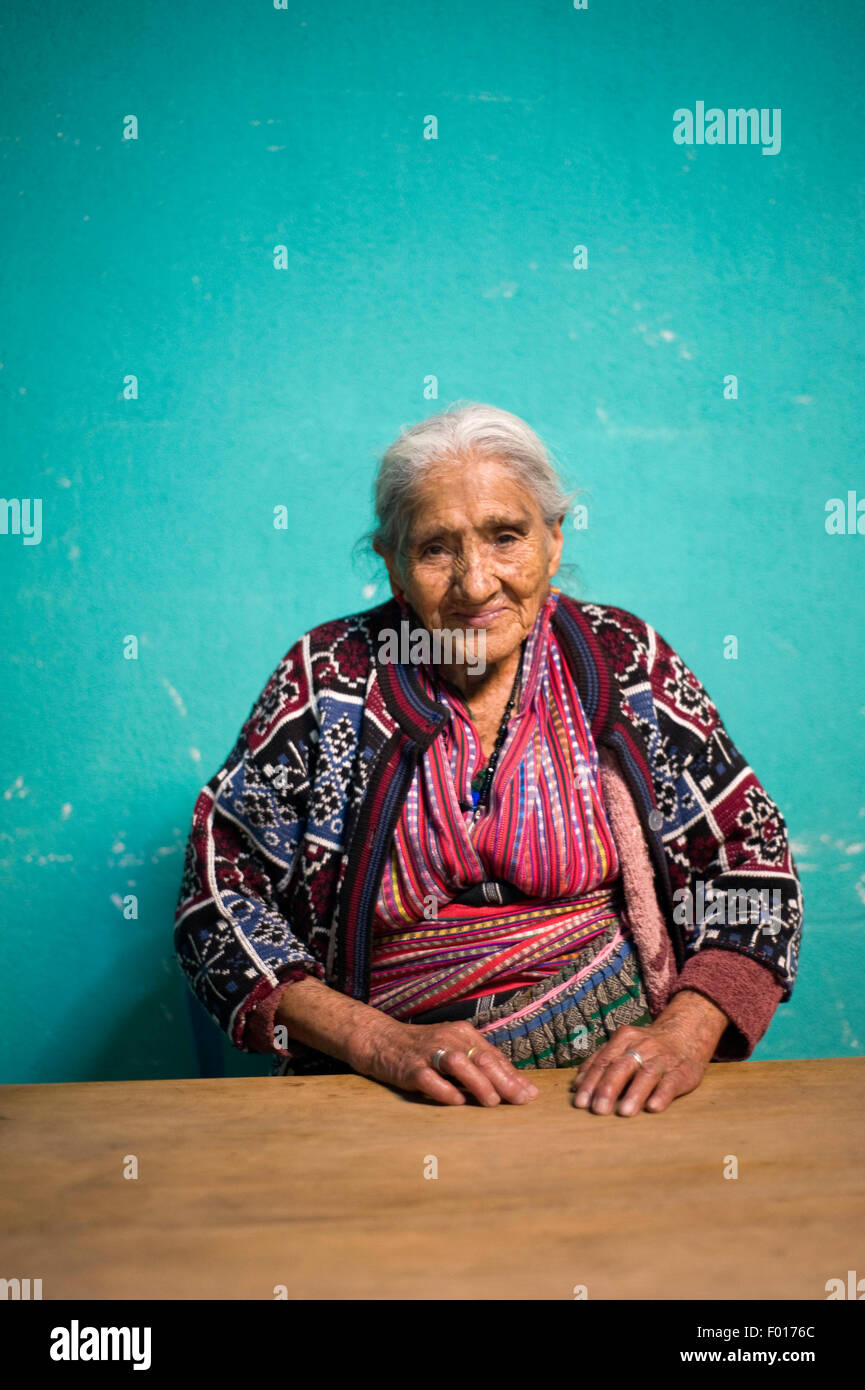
x: 317, y: 1184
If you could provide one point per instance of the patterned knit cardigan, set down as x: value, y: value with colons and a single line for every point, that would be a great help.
x: 290, y: 838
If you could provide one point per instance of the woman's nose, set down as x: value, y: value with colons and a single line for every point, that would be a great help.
x: 475, y: 582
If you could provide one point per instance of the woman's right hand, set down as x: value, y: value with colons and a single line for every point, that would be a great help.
x: 400, y: 1054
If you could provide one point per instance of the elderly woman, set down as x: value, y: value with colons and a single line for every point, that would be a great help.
x: 444, y: 863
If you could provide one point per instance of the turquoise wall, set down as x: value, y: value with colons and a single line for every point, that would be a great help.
x: 407, y: 259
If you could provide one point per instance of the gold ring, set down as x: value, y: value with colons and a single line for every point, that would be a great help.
x: 471, y: 1050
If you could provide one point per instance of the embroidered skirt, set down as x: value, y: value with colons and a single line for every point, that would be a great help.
x: 562, y: 1022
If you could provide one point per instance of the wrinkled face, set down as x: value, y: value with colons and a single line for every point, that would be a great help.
x: 479, y: 554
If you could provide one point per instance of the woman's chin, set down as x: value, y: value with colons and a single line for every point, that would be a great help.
x: 499, y: 646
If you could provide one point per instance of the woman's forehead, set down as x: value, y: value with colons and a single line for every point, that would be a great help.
x: 472, y: 492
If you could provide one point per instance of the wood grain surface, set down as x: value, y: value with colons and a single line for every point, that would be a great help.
x: 317, y: 1185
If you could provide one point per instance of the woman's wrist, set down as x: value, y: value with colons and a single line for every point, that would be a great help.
x: 365, y: 1036
x: 318, y: 1016
x: 705, y: 1020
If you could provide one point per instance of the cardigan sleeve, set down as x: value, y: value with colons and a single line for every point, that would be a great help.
x: 746, y: 992
x: 233, y: 935
x: 736, y: 890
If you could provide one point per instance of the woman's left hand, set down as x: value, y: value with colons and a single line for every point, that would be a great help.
x: 676, y: 1049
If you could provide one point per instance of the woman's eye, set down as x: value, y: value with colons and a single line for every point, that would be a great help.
x: 434, y: 549
x: 507, y: 538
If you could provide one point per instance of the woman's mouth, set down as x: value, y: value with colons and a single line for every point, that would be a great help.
x: 484, y: 618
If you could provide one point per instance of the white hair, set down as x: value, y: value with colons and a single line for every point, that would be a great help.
x: 465, y: 428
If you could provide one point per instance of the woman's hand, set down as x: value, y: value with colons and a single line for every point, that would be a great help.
x: 676, y: 1049
x: 400, y: 1054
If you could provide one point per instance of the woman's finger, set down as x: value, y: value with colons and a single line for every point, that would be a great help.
x: 616, y: 1075
x: 644, y: 1084
x: 592, y: 1070
x: 678, y: 1081
x: 510, y: 1084
x: 666, y: 1091
x: 475, y: 1080
x: 437, y: 1087
x: 586, y: 1076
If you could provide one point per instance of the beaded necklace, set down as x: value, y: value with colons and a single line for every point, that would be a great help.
x: 482, y: 781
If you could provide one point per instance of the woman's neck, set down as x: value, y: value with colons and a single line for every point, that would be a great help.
x: 496, y: 681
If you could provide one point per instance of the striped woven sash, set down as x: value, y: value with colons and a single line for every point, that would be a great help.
x: 469, y: 952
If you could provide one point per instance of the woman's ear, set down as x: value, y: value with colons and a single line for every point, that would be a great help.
x: 393, y: 574
x: 557, y: 541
